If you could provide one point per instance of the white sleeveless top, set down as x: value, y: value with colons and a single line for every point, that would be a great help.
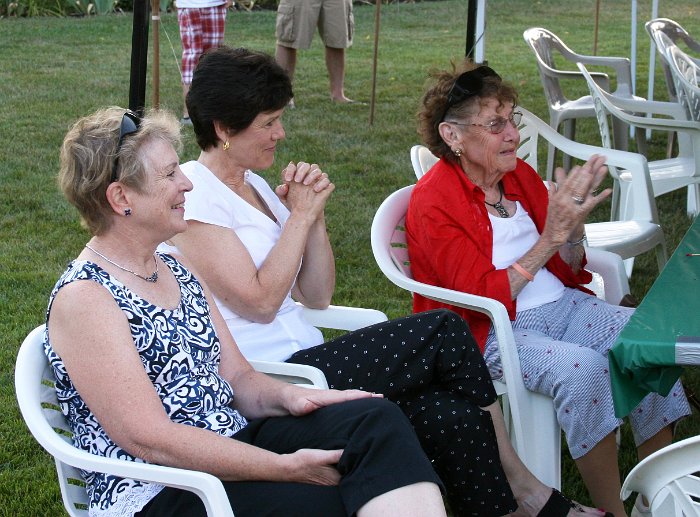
x: 512, y: 238
x: 212, y: 202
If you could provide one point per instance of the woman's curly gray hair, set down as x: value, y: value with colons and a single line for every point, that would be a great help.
x: 434, y: 103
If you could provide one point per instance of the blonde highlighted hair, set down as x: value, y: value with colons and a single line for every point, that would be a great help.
x: 89, y: 152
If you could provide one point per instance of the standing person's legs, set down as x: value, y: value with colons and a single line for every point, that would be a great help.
x: 213, y: 27
x: 336, y: 25
x: 294, y: 29
x: 335, y: 63
x: 286, y: 57
x: 190, y: 22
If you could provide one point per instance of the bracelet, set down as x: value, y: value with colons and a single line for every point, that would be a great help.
x: 520, y: 269
x: 576, y: 243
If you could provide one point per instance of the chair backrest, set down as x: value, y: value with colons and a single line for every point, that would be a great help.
x: 666, y: 33
x: 668, y: 479
x: 686, y: 74
x: 422, y: 160
x: 544, y: 43
x: 36, y: 395
x: 656, y: 115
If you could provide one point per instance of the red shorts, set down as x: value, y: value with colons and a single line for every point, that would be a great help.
x: 200, y: 30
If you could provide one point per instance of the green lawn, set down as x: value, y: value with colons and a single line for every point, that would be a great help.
x: 53, y: 70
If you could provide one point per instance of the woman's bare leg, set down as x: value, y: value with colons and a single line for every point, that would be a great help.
x: 601, y: 474
x: 416, y: 500
x: 530, y: 493
x: 653, y: 444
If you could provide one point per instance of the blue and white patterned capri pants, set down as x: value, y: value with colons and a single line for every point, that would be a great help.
x: 563, y: 348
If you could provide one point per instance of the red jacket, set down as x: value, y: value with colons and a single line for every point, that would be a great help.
x: 450, y: 239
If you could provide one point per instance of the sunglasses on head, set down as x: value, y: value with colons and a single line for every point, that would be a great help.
x: 130, y: 125
x: 468, y: 85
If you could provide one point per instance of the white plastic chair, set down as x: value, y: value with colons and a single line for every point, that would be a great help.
x: 664, y: 34
x: 36, y: 395
x: 638, y: 230
x: 531, y: 421
x: 562, y: 110
x: 668, y: 174
x: 686, y: 77
x: 672, y: 33
x: 668, y: 479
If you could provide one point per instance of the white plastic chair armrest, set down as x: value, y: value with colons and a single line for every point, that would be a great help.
x: 602, y: 79
x: 622, y: 68
x: 206, y: 486
x: 299, y: 374
x: 342, y: 318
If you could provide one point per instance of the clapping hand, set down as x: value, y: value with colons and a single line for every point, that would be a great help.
x: 574, y: 196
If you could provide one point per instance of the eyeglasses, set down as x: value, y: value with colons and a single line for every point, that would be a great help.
x: 130, y: 125
x: 468, y: 85
x: 497, y: 125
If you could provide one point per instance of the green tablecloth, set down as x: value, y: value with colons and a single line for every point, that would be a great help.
x: 643, y: 358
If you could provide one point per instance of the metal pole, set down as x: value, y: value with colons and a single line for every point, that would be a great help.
x: 139, y: 57
x: 155, y: 18
x: 595, y: 30
x: 471, y: 29
x: 377, y: 12
x: 479, y: 56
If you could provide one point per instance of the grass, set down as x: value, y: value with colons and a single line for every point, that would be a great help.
x: 53, y: 70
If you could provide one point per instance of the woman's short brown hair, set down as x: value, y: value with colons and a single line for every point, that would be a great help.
x: 88, y: 156
x: 434, y: 107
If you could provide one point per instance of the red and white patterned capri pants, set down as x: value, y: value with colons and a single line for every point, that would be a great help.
x: 200, y: 30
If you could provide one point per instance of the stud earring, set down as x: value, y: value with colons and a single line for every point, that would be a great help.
x: 127, y: 212
x: 458, y: 152
x: 226, y: 145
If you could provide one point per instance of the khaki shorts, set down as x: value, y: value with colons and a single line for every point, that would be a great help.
x: 298, y: 19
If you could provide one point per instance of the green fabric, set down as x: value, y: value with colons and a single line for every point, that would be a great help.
x: 643, y: 357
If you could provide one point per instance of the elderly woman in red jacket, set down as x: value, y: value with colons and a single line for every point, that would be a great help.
x: 482, y: 221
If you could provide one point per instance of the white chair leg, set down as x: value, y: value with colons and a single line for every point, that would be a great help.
x: 570, y: 133
x: 551, y: 156
x: 693, y: 199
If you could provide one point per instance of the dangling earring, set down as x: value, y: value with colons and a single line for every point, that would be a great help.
x: 458, y: 152
x: 127, y: 212
x: 226, y: 145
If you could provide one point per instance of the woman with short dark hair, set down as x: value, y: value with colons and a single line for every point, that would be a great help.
x: 147, y: 371
x: 261, y: 250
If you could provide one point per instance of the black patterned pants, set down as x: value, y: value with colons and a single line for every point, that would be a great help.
x: 430, y: 365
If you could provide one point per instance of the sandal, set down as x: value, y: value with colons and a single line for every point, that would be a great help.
x: 558, y: 505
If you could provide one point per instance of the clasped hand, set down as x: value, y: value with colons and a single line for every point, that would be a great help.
x: 574, y: 196
x: 304, y: 187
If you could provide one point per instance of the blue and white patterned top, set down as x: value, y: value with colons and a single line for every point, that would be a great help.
x: 180, y: 353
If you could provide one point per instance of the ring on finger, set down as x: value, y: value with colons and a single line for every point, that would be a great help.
x: 578, y: 199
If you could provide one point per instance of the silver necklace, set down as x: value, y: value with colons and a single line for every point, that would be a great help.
x: 153, y: 278
x: 497, y: 205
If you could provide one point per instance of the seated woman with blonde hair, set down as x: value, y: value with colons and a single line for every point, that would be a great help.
x: 146, y: 369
